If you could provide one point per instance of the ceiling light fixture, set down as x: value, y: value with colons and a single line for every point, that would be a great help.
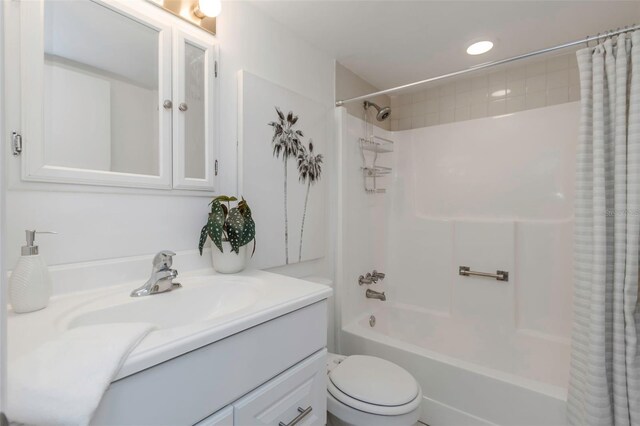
x: 480, y: 47
x: 207, y: 8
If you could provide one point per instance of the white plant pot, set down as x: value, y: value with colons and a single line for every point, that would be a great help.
x: 230, y: 262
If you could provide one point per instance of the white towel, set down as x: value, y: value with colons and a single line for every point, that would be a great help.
x: 62, y: 381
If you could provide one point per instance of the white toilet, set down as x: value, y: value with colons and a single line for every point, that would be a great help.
x: 369, y: 391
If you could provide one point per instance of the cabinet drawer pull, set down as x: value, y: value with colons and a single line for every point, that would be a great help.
x: 303, y: 413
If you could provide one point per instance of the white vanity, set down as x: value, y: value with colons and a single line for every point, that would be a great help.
x: 246, y: 349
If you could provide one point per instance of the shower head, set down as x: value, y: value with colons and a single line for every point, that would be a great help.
x: 383, y: 113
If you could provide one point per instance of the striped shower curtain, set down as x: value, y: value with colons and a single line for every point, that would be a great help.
x: 604, y: 385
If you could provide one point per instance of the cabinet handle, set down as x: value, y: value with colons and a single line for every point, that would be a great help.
x: 167, y: 104
x: 303, y: 413
x: 183, y: 107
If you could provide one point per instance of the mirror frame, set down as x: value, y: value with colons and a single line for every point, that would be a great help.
x: 32, y: 105
x: 203, y: 41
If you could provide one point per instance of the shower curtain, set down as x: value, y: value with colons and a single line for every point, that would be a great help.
x: 604, y: 384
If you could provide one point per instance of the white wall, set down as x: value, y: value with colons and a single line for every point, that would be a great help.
x: 95, y: 224
x: 350, y: 85
x: 3, y: 275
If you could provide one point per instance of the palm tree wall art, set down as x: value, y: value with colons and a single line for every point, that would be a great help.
x: 309, y: 172
x: 275, y: 127
x: 286, y: 141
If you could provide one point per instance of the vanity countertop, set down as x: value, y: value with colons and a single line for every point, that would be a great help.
x: 208, y: 308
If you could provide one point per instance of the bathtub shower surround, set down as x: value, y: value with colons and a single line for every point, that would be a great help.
x: 507, y: 89
x: 492, y: 194
x: 280, y: 128
x: 605, y: 360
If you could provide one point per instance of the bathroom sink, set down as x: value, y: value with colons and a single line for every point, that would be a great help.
x: 198, y: 300
x: 207, y: 308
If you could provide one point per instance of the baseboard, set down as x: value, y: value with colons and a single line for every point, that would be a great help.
x: 435, y: 413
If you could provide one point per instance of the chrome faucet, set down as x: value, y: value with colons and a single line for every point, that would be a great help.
x: 371, y: 294
x: 371, y: 278
x: 368, y: 279
x: 375, y: 276
x: 162, y: 276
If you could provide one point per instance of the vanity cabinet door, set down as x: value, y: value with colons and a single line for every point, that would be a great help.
x: 194, y: 109
x: 222, y: 417
x: 298, y: 393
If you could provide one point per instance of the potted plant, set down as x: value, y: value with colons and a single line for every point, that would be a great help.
x: 231, y: 229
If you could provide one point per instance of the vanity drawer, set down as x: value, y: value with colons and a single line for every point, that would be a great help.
x: 298, y: 393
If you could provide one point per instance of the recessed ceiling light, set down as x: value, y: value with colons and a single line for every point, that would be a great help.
x: 480, y: 47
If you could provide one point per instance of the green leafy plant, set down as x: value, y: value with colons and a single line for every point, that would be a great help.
x: 226, y: 223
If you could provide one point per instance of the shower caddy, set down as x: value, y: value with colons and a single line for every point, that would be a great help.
x: 377, y: 145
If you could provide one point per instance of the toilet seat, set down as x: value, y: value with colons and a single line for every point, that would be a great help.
x: 374, y: 385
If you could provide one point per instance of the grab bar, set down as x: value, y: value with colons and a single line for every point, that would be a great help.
x: 499, y: 275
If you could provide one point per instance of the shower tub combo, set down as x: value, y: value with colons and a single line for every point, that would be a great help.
x: 484, y: 350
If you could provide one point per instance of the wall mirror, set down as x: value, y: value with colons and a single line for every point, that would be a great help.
x: 100, y: 94
x: 116, y: 93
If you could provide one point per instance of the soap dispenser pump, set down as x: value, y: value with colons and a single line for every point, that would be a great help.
x: 30, y: 283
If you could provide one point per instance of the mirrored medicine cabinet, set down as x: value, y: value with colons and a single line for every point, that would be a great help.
x: 117, y: 93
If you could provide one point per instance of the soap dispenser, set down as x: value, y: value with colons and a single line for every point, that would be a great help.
x: 30, y: 283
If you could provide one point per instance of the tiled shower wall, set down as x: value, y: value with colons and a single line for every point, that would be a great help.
x: 507, y: 89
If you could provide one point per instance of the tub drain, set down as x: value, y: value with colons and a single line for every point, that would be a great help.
x: 372, y: 321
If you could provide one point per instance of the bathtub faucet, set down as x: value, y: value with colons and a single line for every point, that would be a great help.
x: 371, y: 294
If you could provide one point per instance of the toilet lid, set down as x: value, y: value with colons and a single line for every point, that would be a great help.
x: 374, y: 381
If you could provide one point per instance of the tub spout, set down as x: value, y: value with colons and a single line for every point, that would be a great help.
x: 371, y: 294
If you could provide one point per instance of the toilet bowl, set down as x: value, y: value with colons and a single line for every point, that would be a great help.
x: 368, y: 391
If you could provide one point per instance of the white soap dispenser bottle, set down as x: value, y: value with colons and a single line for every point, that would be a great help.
x: 30, y: 283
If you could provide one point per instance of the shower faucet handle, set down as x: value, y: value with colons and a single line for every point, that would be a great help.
x: 377, y: 276
x: 365, y: 279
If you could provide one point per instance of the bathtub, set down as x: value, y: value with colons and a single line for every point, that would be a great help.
x: 469, y: 375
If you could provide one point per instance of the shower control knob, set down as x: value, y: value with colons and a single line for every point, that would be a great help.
x: 362, y: 280
x: 378, y: 275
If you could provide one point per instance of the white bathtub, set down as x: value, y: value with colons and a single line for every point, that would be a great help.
x: 469, y: 375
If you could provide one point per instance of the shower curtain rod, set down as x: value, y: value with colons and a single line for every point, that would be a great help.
x: 491, y: 64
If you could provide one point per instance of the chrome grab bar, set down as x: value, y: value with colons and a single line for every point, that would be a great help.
x: 499, y: 275
x: 303, y: 413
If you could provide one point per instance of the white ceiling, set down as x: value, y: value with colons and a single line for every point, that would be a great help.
x: 390, y: 43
